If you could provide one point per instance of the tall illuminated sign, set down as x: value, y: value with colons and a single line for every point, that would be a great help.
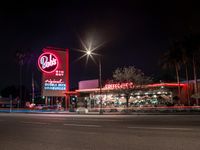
x: 54, y: 65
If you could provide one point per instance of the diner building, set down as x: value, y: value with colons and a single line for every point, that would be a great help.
x: 116, y: 94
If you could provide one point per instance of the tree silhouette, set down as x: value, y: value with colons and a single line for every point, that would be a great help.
x: 173, y: 59
x: 130, y: 75
x: 20, y: 58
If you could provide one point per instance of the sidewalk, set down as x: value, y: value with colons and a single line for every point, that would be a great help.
x: 95, y: 113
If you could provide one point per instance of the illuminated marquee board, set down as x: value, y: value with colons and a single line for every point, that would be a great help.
x: 55, y: 72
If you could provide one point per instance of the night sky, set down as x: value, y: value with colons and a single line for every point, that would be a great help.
x: 133, y: 33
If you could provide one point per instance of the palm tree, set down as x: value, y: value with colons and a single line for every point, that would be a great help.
x: 192, y: 45
x: 20, y: 57
x: 30, y: 59
x: 186, y: 60
x: 172, y: 59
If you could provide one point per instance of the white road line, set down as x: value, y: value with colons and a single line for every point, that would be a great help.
x: 155, y: 128
x: 98, y: 120
x: 108, y: 120
x: 39, y: 123
x: 83, y: 125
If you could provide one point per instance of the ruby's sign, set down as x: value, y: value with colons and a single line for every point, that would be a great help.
x: 48, y: 62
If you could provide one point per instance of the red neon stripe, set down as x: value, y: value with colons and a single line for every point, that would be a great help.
x: 67, y: 69
x: 150, y: 85
x: 166, y: 84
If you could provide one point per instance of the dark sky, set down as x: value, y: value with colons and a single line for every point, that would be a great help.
x: 135, y: 33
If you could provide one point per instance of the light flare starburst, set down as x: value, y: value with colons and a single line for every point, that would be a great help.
x: 88, y: 50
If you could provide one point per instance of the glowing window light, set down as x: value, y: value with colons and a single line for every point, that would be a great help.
x: 155, y: 96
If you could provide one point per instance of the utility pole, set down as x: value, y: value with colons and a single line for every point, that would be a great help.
x: 100, y: 88
x: 33, y: 89
x: 10, y: 97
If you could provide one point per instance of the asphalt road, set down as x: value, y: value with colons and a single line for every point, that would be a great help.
x: 99, y: 132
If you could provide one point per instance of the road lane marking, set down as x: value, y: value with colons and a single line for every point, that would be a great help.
x: 83, y: 125
x: 155, y: 128
x: 98, y: 120
x: 38, y: 123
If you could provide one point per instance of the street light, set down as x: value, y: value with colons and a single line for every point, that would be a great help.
x: 89, y: 47
x: 89, y: 54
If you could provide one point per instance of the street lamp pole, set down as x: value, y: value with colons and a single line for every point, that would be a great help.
x: 89, y: 53
x: 100, y: 88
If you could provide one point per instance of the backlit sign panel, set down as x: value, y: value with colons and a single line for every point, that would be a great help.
x: 53, y: 63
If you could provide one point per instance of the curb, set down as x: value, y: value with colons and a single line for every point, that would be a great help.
x: 97, y: 113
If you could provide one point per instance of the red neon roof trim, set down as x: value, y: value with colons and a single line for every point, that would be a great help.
x: 166, y: 84
x: 150, y: 85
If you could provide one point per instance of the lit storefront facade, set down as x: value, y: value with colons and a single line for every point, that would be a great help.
x: 112, y: 95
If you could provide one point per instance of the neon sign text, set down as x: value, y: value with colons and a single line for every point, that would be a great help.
x: 119, y: 85
x: 48, y: 86
x: 48, y: 62
x: 59, y: 73
x: 54, y: 84
x: 54, y: 81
